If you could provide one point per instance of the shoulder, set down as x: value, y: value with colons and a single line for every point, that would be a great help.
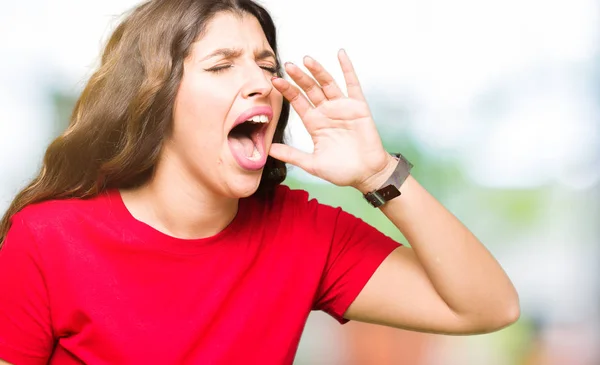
x: 308, y: 211
x: 301, y: 208
x: 297, y: 199
x: 44, y: 229
x: 59, y: 213
x: 284, y: 193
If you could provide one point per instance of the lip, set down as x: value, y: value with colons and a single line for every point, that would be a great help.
x: 257, y: 110
x: 258, y: 138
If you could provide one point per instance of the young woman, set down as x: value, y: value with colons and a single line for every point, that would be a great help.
x: 157, y: 231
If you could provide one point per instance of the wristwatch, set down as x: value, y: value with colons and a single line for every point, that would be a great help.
x: 391, y: 188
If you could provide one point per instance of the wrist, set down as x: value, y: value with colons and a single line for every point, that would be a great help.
x: 377, y: 180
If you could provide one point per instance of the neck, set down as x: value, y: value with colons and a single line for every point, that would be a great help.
x: 179, y: 206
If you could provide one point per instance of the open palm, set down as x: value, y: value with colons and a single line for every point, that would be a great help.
x: 347, y: 146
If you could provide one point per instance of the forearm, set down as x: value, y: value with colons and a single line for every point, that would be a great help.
x: 462, y: 271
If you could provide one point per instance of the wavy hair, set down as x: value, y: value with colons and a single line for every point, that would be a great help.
x: 124, y: 113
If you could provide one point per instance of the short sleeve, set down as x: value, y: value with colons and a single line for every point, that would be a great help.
x: 356, y: 251
x: 25, y: 329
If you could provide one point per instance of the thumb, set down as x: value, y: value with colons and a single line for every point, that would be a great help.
x: 291, y: 155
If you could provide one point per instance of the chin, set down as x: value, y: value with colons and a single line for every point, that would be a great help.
x: 244, y: 185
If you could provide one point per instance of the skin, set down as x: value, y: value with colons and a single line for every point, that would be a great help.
x: 197, y: 164
x: 455, y: 286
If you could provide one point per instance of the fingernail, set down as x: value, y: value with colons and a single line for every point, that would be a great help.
x: 274, y: 78
x: 288, y: 63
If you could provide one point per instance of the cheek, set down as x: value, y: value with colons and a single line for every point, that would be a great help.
x: 200, y: 114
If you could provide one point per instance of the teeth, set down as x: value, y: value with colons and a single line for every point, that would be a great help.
x: 255, y: 155
x: 259, y: 119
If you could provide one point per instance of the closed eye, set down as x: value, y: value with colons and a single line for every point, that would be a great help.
x: 272, y: 70
x: 219, y: 69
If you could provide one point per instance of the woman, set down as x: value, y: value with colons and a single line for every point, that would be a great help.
x: 158, y: 232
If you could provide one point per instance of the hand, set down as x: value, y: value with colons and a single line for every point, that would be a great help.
x: 347, y: 147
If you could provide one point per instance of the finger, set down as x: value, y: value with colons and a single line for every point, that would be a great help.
x: 308, y: 84
x: 345, y: 109
x: 291, y: 155
x: 328, y: 84
x: 352, y: 83
x: 298, y: 101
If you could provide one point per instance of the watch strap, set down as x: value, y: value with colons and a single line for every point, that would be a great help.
x: 391, y: 188
x: 401, y: 172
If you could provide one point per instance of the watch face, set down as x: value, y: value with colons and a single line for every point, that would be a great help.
x: 382, y: 196
x: 390, y: 189
x: 375, y: 199
x: 389, y: 192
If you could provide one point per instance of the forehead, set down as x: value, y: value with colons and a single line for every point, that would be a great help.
x: 228, y: 30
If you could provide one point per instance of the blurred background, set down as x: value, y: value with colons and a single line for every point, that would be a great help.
x: 497, y: 103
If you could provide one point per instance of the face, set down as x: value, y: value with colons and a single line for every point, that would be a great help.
x: 226, y: 109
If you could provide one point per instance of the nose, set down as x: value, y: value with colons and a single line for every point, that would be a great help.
x: 258, y: 83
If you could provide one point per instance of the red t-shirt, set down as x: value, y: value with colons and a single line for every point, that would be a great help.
x: 83, y: 281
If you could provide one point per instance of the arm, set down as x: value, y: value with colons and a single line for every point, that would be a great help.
x: 26, y: 335
x: 453, y: 282
x: 448, y: 282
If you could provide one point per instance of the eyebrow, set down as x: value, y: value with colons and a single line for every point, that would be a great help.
x: 230, y: 53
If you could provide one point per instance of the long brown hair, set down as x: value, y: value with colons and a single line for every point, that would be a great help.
x: 121, y: 118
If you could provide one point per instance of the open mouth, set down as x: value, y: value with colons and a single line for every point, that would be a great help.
x: 246, y: 141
